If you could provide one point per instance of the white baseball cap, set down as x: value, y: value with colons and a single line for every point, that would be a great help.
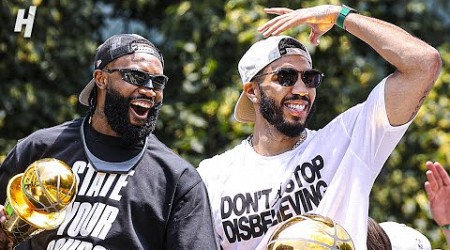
x: 403, y: 237
x: 258, y: 56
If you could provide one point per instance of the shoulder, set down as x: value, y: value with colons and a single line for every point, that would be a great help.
x: 222, y: 162
x: 369, y: 111
x: 223, y: 159
x: 50, y: 135
x: 159, y: 150
x: 176, y: 170
x: 170, y: 161
x: 39, y: 143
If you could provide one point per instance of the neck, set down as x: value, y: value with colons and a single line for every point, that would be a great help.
x: 270, y: 144
x: 99, y: 122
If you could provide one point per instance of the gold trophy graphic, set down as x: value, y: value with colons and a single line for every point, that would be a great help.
x: 36, y: 199
x: 310, y: 231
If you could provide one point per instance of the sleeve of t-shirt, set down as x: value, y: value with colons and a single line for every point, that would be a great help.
x: 191, y: 225
x: 5, y: 175
x: 12, y: 165
x: 373, y: 138
x: 211, y: 170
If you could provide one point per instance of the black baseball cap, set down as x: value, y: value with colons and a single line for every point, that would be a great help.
x: 115, y: 47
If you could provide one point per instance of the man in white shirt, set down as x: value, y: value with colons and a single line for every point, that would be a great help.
x: 284, y: 169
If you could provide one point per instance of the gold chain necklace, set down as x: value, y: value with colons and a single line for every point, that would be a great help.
x: 302, y: 138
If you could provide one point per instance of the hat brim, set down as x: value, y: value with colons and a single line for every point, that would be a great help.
x: 244, y: 111
x: 86, y: 92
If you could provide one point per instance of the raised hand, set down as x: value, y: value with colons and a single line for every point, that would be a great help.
x: 321, y: 19
x: 438, y: 191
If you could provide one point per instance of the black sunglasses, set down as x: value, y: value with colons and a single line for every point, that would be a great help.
x: 141, y: 78
x: 288, y: 77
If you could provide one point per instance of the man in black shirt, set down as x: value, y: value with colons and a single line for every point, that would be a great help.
x: 134, y: 192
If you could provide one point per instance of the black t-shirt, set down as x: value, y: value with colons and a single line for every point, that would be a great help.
x: 160, y: 204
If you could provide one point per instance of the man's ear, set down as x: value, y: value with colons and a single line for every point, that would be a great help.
x: 252, y: 91
x: 100, y: 79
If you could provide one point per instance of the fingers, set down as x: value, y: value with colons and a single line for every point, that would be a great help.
x: 320, y: 19
x: 277, y: 25
x: 284, y: 24
x: 277, y: 11
x: 430, y: 174
x: 2, y: 214
x: 432, y: 182
x: 429, y: 191
x: 432, y: 171
x: 314, y: 36
x: 442, y: 174
x: 430, y: 165
x: 287, y: 19
x: 438, y: 174
x: 268, y: 26
x: 438, y: 180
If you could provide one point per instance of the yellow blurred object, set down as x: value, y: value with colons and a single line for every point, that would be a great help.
x: 37, y: 199
x: 310, y: 231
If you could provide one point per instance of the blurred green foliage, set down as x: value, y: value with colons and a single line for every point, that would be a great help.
x: 202, y: 41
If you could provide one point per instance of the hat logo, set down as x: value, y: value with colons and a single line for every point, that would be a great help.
x: 419, y: 243
x: 134, y: 47
x: 97, y: 64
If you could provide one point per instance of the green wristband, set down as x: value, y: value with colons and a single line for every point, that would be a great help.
x: 446, y: 227
x: 345, y: 11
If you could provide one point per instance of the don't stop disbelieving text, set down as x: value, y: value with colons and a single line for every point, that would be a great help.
x: 249, y: 215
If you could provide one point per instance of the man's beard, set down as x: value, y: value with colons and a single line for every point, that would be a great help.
x: 117, y: 114
x: 274, y: 115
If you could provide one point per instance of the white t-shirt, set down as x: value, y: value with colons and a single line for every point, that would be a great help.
x: 330, y: 173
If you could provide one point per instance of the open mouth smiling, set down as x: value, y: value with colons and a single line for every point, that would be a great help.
x: 141, y: 107
x: 297, y: 108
